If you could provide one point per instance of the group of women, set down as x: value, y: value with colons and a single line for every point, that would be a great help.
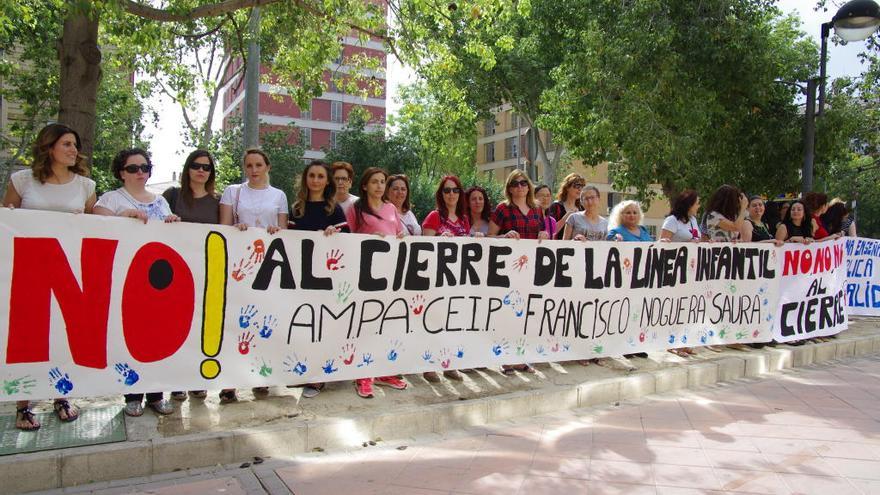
x: 58, y: 181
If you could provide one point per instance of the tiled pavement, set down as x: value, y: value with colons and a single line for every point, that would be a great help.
x: 813, y: 430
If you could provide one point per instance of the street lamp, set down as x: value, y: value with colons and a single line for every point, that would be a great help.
x: 855, y: 21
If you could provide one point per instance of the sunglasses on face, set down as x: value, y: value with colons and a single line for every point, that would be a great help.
x: 133, y: 169
x: 450, y: 190
x: 519, y: 183
x: 203, y: 166
x: 578, y: 185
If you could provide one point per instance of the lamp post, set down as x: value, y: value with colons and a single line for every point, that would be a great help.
x: 855, y: 21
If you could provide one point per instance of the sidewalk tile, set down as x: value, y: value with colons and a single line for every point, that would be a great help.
x: 614, y: 471
x: 686, y: 476
x: 737, y: 480
x: 544, y: 485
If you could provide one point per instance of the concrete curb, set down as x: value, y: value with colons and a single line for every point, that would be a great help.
x: 158, y: 457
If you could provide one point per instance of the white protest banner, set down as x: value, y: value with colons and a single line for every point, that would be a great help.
x: 862, y: 281
x: 105, y: 305
x: 812, y: 302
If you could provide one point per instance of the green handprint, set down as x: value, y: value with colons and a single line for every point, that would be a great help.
x: 23, y: 384
x: 344, y: 292
x: 740, y: 335
x: 520, y: 347
x: 598, y: 349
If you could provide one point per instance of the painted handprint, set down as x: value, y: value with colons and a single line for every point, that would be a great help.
x: 19, y: 385
x: 260, y: 367
x: 642, y: 337
x: 515, y: 301
x: 540, y: 350
x: 242, y: 269
x: 671, y: 338
x: 394, y: 351
x: 684, y: 338
x: 553, y: 345
x: 723, y: 333
x: 520, y: 348
x: 259, y: 252
x: 740, y: 335
x: 127, y: 375
x: 566, y: 347
x: 445, y: 359
x: 347, y: 354
x: 521, y: 262
x: 328, y: 367
x: 60, y: 380
x: 428, y: 357
x: 418, y: 304
x: 693, y: 263
x: 246, y: 314
x: 731, y: 287
x: 244, y: 342
x: 499, y: 347
x: 755, y: 333
x: 295, y: 366
x: 334, y: 260
x: 597, y: 349
x: 366, y: 360
x: 268, y: 326
x: 344, y: 292
x: 631, y: 341
x: 627, y: 265
x: 460, y: 352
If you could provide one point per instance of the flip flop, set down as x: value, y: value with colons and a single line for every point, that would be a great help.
x: 26, y: 414
x: 70, y: 412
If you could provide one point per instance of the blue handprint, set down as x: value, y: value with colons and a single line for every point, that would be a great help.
x: 684, y: 339
x: 703, y: 338
x: 366, y: 360
x: 566, y: 347
x: 130, y: 376
x: 328, y: 367
x: 540, y: 350
x: 500, y: 347
x: 61, y: 381
x: 245, y: 315
x: 427, y: 356
x: 268, y: 327
x: 295, y: 366
x: 460, y: 352
x: 671, y: 338
x: 394, y: 352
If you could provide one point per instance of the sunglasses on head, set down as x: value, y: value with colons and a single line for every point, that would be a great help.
x: 450, y: 190
x: 519, y: 183
x: 133, y: 169
x: 207, y: 167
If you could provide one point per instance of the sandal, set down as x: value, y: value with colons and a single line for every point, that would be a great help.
x: 70, y: 412
x: 228, y: 396
x: 25, y: 415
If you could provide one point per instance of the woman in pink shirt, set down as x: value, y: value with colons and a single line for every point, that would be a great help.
x: 370, y: 214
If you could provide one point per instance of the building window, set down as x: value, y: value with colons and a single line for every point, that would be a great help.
x: 510, y: 147
x: 333, y: 136
x: 490, y: 152
x: 306, y: 114
x: 489, y: 128
x: 514, y: 120
x: 335, y: 111
x: 305, y: 137
x: 550, y: 144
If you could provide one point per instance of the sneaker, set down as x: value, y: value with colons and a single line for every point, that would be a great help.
x: 134, y: 409
x: 364, y: 388
x: 391, y: 381
x: 453, y: 375
x: 198, y: 394
x: 431, y: 377
x: 161, y: 406
x: 178, y: 395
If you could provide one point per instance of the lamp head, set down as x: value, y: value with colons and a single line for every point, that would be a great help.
x: 857, y: 20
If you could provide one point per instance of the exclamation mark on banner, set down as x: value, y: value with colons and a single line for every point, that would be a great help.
x: 214, y: 305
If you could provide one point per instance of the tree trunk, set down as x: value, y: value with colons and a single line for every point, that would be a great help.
x: 80, y: 62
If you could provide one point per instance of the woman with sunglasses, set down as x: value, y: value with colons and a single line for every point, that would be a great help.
x: 568, y: 200
x: 449, y: 219
x: 133, y: 168
x: 371, y: 214
x: 518, y: 217
x: 316, y: 209
x: 56, y: 181
x: 253, y: 204
x: 195, y: 201
x: 397, y: 193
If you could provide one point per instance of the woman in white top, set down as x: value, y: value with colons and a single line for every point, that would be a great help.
x: 397, y: 193
x: 133, y: 200
x: 586, y: 225
x: 56, y: 181
x: 681, y: 225
x: 254, y: 203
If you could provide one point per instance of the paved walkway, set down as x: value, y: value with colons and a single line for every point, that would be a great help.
x: 809, y: 430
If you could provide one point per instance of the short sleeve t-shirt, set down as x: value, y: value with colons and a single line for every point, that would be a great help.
x: 460, y: 228
x: 387, y: 222
x: 509, y: 217
x: 716, y: 233
x: 202, y: 210
x: 628, y: 236
x: 348, y: 202
x: 70, y: 197
x: 120, y: 200
x: 682, y: 232
x: 411, y: 223
x: 581, y: 225
x: 255, y: 207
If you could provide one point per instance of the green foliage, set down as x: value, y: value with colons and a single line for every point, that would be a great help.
x: 363, y: 149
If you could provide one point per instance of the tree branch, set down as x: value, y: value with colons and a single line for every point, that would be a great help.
x: 209, y: 10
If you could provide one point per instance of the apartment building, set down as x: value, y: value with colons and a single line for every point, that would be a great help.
x: 501, y: 149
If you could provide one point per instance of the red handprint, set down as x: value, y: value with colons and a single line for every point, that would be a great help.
x: 521, y: 262
x: 418, y: 304
x: 244, y: 342
x: 241, y: 270
x: 347, y: 356
x: 259, y: 251
x: 642, y: 337
x: 627, y: 265
x: 445, y: 360
x: 334, y: 258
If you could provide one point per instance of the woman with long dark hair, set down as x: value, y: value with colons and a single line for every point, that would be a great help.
x: 797, y: 226
x: 397, y: 192
x: 56, y: 181
x: 479, y: 209
x: 681, y: 224
x: 725, y: 214
x: 568, y: 201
